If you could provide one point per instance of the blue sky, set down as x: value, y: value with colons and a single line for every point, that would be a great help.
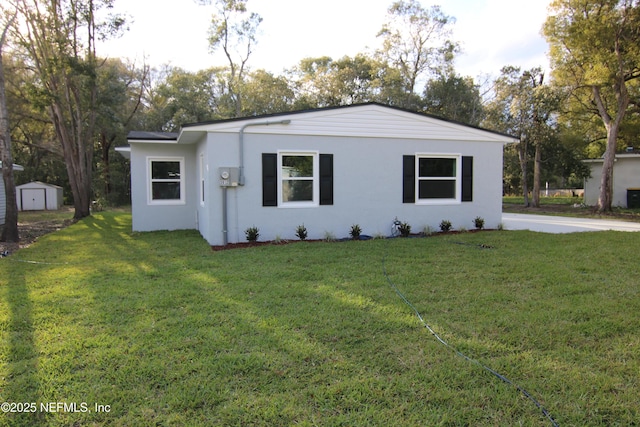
x: 492, y: 33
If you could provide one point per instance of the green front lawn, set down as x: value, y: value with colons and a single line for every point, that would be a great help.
x: 160, y: 330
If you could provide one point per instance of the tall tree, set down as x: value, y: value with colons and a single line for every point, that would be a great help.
x: 524, y: 107
x: 234, y: 29
x: 595, y: 50
x: 455, y: 98
x: 59, y: 36
x: 10, y: 230
x: 266, y: 94
x: 120, y: 89
x: 323, y: 81
x: 416, y: 42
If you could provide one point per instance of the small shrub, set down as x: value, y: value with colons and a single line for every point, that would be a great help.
x: 301, y: 232
x: 252, y: 233
x: 478, y: 222
x: 355, y: 232
x: 445, y: 225
x: 462, y: 229
x: 427, y: 230
x: 405, y: 229
x: 329, y: 236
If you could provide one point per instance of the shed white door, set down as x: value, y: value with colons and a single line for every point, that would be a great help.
x: 33, y: 199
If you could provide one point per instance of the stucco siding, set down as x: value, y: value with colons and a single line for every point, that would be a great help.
x: 148, y: 217
x: 367, y: 186
x: 626, y: 174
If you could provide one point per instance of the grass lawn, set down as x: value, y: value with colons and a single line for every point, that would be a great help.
x: 160, y: 330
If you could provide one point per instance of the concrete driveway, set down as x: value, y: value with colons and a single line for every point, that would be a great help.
x: 560, y: 224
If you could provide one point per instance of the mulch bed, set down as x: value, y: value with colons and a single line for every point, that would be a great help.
x: 244, y: 245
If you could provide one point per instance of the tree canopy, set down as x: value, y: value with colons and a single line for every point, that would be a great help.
x: 595, y: 51
x: 69, y: 108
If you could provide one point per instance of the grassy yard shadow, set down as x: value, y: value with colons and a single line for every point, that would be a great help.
x: 20, y: 380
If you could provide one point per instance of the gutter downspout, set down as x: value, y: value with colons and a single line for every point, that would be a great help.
x: 241, y: 179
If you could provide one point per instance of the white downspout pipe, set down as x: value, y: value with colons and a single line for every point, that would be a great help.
x: 241, y: 179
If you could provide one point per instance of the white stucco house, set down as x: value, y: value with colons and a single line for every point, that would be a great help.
x: 626, y: 179
x: 328, y: 169
x: 3, y: 196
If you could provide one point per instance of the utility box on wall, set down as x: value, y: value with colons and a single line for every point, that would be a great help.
x: 229, y: 176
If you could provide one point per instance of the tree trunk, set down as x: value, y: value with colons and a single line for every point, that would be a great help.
x: 105, y: 145
x: 536, y: 176
x: 605, y: 198
x: 522, y: 155
x: 10, y: 229
x: 612, y: 125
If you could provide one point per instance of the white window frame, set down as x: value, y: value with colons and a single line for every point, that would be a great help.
x: 150, y: 181
x: 316, y: 179
x: 458, y: 179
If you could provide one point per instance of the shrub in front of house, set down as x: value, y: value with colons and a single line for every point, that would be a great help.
x: 478, y: 222
x: 405, y: 229
x: 301, y: 232
x: 355, y: 232
x: 445, y: 225
x: 252, y: 234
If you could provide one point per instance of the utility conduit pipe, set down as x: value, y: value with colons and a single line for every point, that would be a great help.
x: 241, y: 178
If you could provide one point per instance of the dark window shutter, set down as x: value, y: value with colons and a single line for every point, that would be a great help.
x: 408, y: 179
x: 269, y: 179
x: 467, y: 178
x: 326, y: 179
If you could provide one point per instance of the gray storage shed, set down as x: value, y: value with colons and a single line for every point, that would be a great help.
x: 38, y: 196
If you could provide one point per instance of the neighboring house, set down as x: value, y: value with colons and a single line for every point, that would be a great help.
x: 38, y: 196
x: 626, y: 179
x: 328, y: 169
x: 3, y: 200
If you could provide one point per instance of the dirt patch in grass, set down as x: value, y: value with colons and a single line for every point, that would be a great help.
x: 30, y: 230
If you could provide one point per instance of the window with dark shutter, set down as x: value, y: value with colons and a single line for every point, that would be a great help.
x: 269, y: 179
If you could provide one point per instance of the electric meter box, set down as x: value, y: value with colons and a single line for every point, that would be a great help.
x: 229, y: 176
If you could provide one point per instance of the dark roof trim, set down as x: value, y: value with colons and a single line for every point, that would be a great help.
x: 153, y: 136
x: 284, y: 113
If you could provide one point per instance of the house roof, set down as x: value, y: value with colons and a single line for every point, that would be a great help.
x: 341, y: 107
x: 359, y: 120
x: 152, y: 136
x: 37, y: 184
x: 15, y: 167
x: 625, y: 155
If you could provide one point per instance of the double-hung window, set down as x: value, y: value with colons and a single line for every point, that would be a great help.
x: 166, y: 180
x: 297, y: 179
x: 438, y: 178
x: 298, y: 183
